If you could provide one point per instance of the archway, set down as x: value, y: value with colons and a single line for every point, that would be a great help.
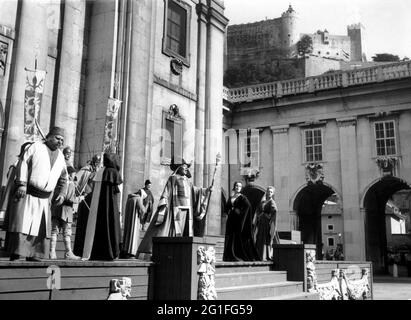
x: 308, y: 205
x: 375, y: 202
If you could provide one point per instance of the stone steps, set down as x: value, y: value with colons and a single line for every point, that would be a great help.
x: 295, y: 296
x: 259, y: 291
x: 249, y: 278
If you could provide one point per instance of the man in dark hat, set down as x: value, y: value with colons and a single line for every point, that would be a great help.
x: 42, y: 168
x: 181, y: 208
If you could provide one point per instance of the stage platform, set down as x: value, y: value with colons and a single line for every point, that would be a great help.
x: 70, y: 280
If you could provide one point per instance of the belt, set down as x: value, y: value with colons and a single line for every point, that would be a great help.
x: 35, y: 192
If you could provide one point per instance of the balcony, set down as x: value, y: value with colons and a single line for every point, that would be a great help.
x: 338, y: 79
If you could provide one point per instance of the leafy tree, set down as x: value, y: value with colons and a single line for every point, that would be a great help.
x: 305, y: 45
x: 385, y: 57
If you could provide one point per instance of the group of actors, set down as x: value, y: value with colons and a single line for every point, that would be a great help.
x: 44, y: 190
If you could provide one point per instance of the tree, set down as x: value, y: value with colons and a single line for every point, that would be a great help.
x: 385, y: 57
x: 305, y: 45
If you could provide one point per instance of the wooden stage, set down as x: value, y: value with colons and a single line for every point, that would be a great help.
x: 70, y: 280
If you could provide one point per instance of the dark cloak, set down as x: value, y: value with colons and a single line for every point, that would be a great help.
x: 107, y: 234
x: 239, y: 244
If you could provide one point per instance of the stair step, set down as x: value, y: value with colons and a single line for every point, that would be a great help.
x: 296, y: 296
x: 242, y: 266
x: 259, y: 291
x: 249, y: 278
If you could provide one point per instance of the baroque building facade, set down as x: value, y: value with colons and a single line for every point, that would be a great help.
x: 336, y: 147
x: 146, y: 77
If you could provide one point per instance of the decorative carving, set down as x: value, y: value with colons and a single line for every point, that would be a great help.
x: 206, y: 272
x: 4, y: 49
x: 330, y: 290
x: 111, y: 125
x: 342, y: 288
x: 176, y: 66
x: 311, y: 274
x: 250, y: 174
x: 174, y: 111
x: 387, y: 164
x: 314, y: 173
x: 120, y: 289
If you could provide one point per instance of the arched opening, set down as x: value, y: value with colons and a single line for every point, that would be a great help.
x: 308, y: 205
x: 380, y: 202
x: 254, y: 194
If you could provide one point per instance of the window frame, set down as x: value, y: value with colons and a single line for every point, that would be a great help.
x: 245, y: 138
x: 304, y: 145
x: 165, y: 160
x: 328, y: 241
x: 330, y: 225
x: 384, y: 122
x: 168, y: 51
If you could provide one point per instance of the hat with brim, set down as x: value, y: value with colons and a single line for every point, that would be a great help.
x: 175, y: 165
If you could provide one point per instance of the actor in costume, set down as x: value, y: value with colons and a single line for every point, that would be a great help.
x: 102, y: 240
x: 67, y: 155
x: 62, y: 218
x: 85, y: 184
x: 181, y: 209
x: 265, y: 232
x: 40, y: 170
x: 239, y: 244
x: 139, y: 208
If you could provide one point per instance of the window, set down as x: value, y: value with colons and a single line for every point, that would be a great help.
x: 313, y: 145
x: 250, y: 148
x: 176, y: 29
x: 330, y: 227
x: 172, y: 138
x: 330, y: 242
x: 385, y: 138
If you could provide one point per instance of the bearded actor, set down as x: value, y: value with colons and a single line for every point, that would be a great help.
x: 41, y: 169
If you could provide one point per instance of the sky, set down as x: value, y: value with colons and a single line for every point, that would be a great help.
x: 387, y: 22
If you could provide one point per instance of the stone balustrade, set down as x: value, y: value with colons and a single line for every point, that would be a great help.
x: 327, y: 81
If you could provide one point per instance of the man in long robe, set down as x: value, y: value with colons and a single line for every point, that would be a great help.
x: 181, y: 209
x: 139, y: 208
x: 41, y: 169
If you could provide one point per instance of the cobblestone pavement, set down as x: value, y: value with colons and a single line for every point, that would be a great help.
x: 388, y: 288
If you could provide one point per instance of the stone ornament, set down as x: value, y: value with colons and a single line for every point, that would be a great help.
x: 4, y: 49
x: 387, y: 164
x: 120, y: 289
x: 311, y: 274
x: 176, y: 66
x: 206, y: 271
x: 314, y: 173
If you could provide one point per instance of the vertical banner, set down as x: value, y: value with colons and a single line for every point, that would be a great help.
x: 111, y: 125
x: 33, y: 96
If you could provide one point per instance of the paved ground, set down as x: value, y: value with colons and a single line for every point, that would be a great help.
x: 389, y: 288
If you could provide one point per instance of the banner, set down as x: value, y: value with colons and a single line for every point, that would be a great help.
x: 111, y: 125
x: 33, y: 96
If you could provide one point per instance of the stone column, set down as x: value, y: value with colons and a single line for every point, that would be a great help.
x: 354, y: 241
x: 70, y: 70
x: 213, y: 109
x: 32, y: 42
x: 281, y: 174
x: 201, y: 9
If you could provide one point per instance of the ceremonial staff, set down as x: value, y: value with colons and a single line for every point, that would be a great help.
x: 217, y: 161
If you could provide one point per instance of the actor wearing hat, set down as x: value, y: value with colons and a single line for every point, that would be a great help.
x: 41, y: 169
x: 139, y: 208
x: 62, y: 218
x: 180, y: 211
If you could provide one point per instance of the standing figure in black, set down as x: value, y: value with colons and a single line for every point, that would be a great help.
x: 239, y: 244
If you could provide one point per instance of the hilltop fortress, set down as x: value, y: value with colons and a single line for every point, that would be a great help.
x: 272, y: 45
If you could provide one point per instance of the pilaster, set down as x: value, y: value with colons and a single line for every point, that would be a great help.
x: 353, y: 227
